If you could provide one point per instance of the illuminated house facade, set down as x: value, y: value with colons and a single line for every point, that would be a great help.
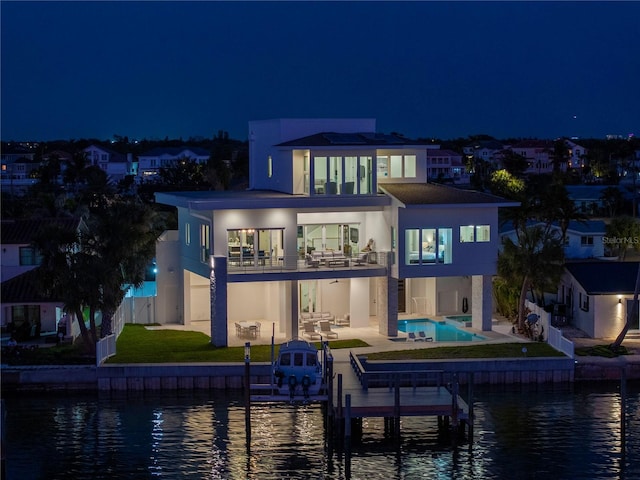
x: 338, y: 220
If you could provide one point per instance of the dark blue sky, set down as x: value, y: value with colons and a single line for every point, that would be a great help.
x: 425, y: 69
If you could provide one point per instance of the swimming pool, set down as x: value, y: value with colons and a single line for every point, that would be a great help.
x: 458, y: 320
x: 439, y: 331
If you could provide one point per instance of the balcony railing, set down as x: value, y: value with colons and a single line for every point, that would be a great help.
x: 294, y: 263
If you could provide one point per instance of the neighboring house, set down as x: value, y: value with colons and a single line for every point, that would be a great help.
x: 338, y: 220
x: 598, y: 296
x: 17, y: 165
x: 588, y: 198
x: 446, y: 165
x: 150, y: 163
x: 577, y: 155
x: 116, y: 165
x: 485, y: 150
x: 22, y: 300
x: 539, y: 155
x: 583, y: 240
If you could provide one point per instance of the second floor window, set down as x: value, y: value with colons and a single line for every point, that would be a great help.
x: 205, y: 246
x: 30, y: 256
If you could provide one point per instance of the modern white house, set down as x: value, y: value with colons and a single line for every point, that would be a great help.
x: 339, y: 221
x: 598, y: 296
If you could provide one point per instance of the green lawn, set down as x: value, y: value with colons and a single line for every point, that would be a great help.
x: 492, y: 350
x: 136, y: 344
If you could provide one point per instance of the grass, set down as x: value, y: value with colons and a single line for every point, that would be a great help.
x: 601, y: 351
x: 492, y: 350
x: 136, y: 344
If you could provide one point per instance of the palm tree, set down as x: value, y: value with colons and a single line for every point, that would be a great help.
x: 535, y: 262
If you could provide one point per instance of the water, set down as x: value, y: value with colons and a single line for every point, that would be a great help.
x: 439, y: 331
x: 520, y: 433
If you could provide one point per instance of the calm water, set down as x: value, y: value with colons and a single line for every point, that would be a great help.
x: 439, y: 331
x: 533, y: 433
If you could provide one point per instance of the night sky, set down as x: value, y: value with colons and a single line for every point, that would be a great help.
x: 425, y: 69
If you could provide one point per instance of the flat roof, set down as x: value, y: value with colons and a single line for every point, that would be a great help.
x: 258, y: 199
x: 430, y: 194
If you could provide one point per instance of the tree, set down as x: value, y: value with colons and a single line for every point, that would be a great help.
x: 507, y: 185
x: 535, y: 262
x: 514, y: 163
x: 623, y: 233
x: 612, y: 199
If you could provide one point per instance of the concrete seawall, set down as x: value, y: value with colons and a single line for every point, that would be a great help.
x: 155, y: 377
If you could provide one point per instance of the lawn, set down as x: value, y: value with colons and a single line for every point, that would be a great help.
x: 136, y: 344
x: 491, y: 350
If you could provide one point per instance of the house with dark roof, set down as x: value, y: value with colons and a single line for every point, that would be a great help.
x: 446, y: 165
x: 150, y: 162
x: 22, y: 300
x: 116, y: 165
x: 583, y: 239
x: 340, y: 222
x: 598, y: 295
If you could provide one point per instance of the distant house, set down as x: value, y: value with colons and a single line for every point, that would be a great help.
x: 116, y: 165
x: 22, y: 300
x: 588, y: 198
x: 446, y: 165
x: 583, y: 240
x: 577, y: 155
x: 598, y: 296
x: 485, y: 150
x: 150, y: 163
x: 539, y: 155
x: 17, y: 166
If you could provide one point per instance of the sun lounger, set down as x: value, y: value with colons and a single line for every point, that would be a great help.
x: 325, y: 329
x: 310, y: 331
x: 422, y: 336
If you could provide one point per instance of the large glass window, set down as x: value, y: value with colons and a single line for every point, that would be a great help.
x: 410, y: 166
x: 395, y: 166
x: 365, y: 175
x: 383, y: 166
x: 343, y: 238
x: 428, y: 246
x: 320, y: 177
x: 205, y: 246
x: 255, y: 247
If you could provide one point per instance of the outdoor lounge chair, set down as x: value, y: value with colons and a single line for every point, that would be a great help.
x: 411, y: 337
x: 325, y: 329
x: 310, y: 331
x: 423, y: 336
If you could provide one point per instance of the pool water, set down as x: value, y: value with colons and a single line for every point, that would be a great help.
x: 439, y: 331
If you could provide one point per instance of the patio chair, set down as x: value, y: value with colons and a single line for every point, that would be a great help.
x: 310, y: 331
x: 411, y: 337
x: 325, y: 329
x: 423, y: 336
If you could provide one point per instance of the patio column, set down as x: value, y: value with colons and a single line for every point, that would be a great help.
x: 292, y: 324
x: 481, y: 302
x: 218, y: 298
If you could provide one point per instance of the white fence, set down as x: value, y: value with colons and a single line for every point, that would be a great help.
x: 554, y: 336
x: 557, y: 341
x: 106, y: 347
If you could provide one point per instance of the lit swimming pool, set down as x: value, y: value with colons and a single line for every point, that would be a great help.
x: 458, y: 320
x: 439, y: 331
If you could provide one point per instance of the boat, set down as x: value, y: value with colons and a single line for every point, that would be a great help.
x: 297, y: 371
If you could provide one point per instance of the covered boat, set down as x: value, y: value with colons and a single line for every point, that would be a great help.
x: 298, y: 370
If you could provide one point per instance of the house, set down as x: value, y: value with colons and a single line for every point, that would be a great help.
x: 577, y: 155
x: 16, y: 171
x: 445, y: 164
x: 583, y: 239
x: 150, y: 163
x: 116, y: 165
x: 485, y: 150
x: 338, y: 219
x: 598, y: 295
x: 539, y: 155
x: 22, y: 300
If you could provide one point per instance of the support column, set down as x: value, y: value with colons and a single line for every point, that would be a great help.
x: 388, y: 305
x: 292, y: 324
x: 218, y: 298
x: 481, y: 298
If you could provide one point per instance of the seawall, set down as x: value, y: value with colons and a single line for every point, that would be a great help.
x: 140, y: 377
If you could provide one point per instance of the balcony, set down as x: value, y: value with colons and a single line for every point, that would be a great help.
x: 320, y: 264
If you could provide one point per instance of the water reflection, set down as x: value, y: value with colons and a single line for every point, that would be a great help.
x: 519, y: 433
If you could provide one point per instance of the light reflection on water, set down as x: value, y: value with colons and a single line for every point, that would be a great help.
x: 522, y: 433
